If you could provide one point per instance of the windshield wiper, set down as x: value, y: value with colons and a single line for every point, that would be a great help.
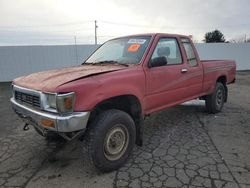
x: 107, y: 62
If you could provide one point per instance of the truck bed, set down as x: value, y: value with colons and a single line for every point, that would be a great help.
x: 214, y: 68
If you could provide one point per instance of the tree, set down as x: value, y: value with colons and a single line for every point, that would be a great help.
x: 214, y: 36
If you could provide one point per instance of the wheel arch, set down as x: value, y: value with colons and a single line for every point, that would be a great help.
x: 222, y: 79
x: 127, y: 103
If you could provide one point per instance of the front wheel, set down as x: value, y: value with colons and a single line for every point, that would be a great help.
x: 215, y: 101
x: 111, y: 138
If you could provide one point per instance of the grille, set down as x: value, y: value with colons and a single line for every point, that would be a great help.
x: 29, y: 99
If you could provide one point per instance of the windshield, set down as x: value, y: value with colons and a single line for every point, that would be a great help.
x: 126, y: 51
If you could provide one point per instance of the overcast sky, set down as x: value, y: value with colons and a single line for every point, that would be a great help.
x: 26, y: 22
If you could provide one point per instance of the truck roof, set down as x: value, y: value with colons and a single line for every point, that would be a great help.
x: 154, y: 34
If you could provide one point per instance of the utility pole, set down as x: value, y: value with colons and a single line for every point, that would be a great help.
x: 96, y: 32
x: 76, y: 52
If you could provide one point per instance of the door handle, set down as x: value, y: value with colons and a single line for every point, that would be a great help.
x: 184, y: 70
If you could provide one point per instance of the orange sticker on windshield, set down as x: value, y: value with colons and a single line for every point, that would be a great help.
x: 133, y: 47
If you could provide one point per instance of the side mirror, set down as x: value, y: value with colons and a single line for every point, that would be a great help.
x: 158, y: 61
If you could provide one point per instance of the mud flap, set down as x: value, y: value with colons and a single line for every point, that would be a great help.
x: 139, y: 131
x: 226, y: 94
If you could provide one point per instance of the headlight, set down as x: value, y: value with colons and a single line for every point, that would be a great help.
x: 62, y: 103
x: 51, y: 100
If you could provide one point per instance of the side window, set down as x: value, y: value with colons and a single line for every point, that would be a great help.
x: 190, y: 52
x: 168, y: 48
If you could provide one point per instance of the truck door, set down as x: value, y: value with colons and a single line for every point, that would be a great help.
x: 179, y: 80
x: 166, y: 84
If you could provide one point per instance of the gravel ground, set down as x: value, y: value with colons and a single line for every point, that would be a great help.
x: 183, y: 147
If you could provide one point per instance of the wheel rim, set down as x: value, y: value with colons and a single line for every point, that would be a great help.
x: 219, y: 98
x: 116, y: 142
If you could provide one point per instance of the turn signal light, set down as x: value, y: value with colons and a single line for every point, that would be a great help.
x: 65, y: 102
x: 68, y: 103
x: 48, y: 123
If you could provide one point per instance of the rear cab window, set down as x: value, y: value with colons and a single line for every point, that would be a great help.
x: 191, y: 58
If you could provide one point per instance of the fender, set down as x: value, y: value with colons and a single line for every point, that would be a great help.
x: 95, y: 89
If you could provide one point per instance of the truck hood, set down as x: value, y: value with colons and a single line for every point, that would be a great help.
x: 50, y: 80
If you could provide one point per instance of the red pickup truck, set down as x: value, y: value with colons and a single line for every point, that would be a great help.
x: 107, y: 97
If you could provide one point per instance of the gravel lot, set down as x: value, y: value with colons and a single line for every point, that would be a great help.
x: 184, y: 147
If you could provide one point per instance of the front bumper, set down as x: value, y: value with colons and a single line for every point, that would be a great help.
x: 69, y: 123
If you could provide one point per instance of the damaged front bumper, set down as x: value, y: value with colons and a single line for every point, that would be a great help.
x: 76, y: 121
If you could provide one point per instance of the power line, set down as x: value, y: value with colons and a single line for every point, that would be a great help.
x: 50, y: 25
x: 73, y: 30
x: 142, y: 26
x: 160, y: 26
x: 108, y: 22
x: 128, y: 24
x: 53, y: 31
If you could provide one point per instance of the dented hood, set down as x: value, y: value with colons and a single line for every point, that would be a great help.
x: 50, y: 80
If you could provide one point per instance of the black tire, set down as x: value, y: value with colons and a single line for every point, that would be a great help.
x: 215, y: 101
x: 110, y: 139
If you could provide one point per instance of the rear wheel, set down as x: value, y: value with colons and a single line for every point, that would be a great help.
x: 215, y: 101
x: 111, y: 138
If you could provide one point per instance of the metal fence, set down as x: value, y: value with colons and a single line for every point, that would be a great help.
x: 16, y: 61
x: 240, y: 52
